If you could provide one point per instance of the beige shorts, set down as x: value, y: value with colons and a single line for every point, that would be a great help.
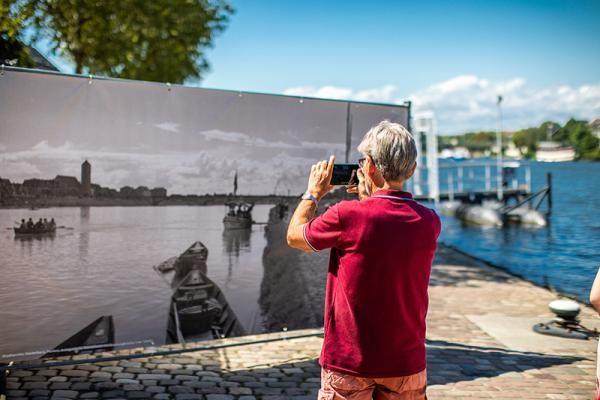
x: 337, y: 386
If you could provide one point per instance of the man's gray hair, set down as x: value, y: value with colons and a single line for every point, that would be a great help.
x: 392, y: 149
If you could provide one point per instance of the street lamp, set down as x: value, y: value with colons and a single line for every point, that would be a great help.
x: 499, y: 146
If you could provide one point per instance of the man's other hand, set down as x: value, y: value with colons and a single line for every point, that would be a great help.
x: 361, y: 188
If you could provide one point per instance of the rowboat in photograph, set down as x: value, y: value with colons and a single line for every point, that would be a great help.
x: 198, y: 309
x: 34, y: 231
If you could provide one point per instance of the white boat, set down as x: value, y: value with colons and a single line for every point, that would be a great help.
x: 554, y: 152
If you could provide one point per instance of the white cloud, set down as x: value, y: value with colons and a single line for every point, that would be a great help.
x: 247, y: 140
x: 469, y: 102
x: 383, y: 94
x: 168, y: 126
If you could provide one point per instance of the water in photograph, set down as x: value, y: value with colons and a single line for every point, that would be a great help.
x: 101, y: 264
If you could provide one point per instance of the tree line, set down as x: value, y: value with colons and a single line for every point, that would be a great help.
x: 576, y: 133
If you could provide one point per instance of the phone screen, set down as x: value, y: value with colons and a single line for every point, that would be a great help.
x: 344, y: 174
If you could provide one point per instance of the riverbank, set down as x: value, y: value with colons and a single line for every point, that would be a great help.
x: 172, y: 200
x: 479, y: 345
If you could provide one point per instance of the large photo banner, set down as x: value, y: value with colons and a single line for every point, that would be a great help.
x: 138, y: 210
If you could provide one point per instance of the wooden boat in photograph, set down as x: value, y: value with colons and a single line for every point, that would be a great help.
x: 100, y: 335
x: 34, y: 231
x: 198, y: 309
x: 238, y: 216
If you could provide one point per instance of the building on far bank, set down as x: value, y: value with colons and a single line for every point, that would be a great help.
x: 126, y: 191
x: 158, y: 193
x: 86, y: 178
x: 142, y: 192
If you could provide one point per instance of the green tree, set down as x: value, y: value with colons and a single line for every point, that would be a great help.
x: 12, y: 21
x: 579, y: 134
x: 158, y: 40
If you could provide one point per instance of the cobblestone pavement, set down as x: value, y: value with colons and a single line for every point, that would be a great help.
x: 470, y: 354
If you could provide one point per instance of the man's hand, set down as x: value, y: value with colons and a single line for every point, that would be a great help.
x: 319, y: 181
x: 361, y: 188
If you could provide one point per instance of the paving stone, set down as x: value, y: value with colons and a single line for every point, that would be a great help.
x: 60, y: 386
x: 130, y: 364
x: 36, y: 378
x: 112, y: 394
x: 81, y: 386
x: 282, y: 384
x: 112, y: 369
x: 187, y: 377
x: 88, y: 367
x: 182, y: 371
x: 47, y: 372
x: 58, y: 379
x: 200, y: 384
x: 239, y: 390
x: 16, y: 393
x: 123, y: 375
x: 39, y: 393
x: 189, y: 396
x: 153, y: 376
x: 207, y: 373
x: 155, y: 389
x: 310, y: 385
x: 213, y: 390
x: 219, y: 397
x: 138, y: 395
x: 19, y: 373
x: 294, y: 392
x: 254, y: 384
x: 71, y: 394
x: 169, y: 366
x: 228, y: 384
x: 101, y: 374
x: 89, y: 395
x: 137, y: 370
x: 169, y: 382
x: 127, y: 381
x: 75, y: 372
x: 241, y: 378
x: 104, y: 386
x: 133, y: 387
x: 35, y: 385
x: 179, y: 389
x: 267, y: 391
x: 212, y: 378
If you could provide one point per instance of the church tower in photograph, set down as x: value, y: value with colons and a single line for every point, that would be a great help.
x: 86, y: 178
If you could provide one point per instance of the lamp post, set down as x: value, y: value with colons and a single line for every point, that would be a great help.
x: 499, y: 146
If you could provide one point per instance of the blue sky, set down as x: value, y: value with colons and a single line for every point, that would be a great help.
x: 451, y: 57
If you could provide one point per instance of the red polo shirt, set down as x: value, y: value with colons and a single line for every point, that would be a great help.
x: 376, y: 297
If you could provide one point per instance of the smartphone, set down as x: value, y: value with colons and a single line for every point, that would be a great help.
x: 344, y: 174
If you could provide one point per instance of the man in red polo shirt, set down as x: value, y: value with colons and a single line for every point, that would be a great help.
x: 382, y: 246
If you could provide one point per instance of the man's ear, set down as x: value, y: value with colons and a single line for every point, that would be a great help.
x: 412, y: 171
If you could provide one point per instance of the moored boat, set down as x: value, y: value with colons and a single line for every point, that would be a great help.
x: 198, y: 309
x: 97, y: 336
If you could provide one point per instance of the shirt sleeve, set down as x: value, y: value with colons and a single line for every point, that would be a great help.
x: 324, y: 231
x: 438, y: 224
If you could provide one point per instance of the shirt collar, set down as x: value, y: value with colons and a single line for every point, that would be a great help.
x: 392, y: 192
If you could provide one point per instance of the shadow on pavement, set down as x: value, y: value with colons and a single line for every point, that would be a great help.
x: 449, y: 362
